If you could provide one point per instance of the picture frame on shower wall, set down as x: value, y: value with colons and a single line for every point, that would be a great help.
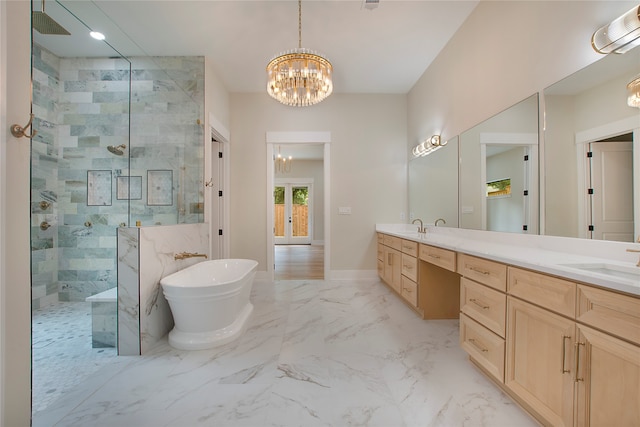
x: 99, y: 188
x: 160, y: 187
x: 129, y: 188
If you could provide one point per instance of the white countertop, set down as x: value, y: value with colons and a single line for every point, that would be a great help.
x: 547, y: 254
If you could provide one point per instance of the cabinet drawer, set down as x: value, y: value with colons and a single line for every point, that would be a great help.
x: 380, y: 251
x: 482, y: 270
x: 410, y: 267
x: 545, y: 291
x: 409, y: 291
x: 485, y: 347
x: 610, y: 312
x: 381, y: 268
x: 441, y: 257
x: 392, y: 242
x: 410, y: 247
x: 380, y: 238
x: 485, y: 305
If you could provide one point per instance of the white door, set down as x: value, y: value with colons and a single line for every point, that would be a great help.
x: 612, y: 184
x: 292, y: 213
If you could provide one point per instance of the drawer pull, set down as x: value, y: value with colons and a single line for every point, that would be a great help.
x: 564, y: 353
x: 434, y: 256
x: 407, y: 290
x: 390, y: 259
x: 578, y: 344
x: 479, y: 304
x: 477, y: 270
x: 478, y: 346
x: 408, y: 267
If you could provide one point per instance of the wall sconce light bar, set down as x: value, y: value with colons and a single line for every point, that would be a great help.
x: 619, y: 36
x: 428, y: 146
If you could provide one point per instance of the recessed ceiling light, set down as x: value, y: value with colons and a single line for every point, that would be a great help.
x: 97, y: 35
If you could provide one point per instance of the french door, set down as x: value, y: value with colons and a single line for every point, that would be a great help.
x: 292, y: 215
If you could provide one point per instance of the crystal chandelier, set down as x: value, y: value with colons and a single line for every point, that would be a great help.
x: 299, y: 77
x: 283, y: 164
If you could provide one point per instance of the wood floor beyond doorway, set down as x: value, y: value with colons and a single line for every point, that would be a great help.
x: 299, y: 262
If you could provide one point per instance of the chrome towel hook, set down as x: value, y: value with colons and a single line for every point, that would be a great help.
x: 19, y: 131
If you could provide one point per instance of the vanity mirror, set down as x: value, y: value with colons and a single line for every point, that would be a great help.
x: 433, y: 186
x: 592, y: 195
x: 502, y: 151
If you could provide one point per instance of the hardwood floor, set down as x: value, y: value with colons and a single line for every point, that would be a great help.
x: 299, y: 262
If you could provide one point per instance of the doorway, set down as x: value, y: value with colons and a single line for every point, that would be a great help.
x: 610, y: 189
x: 306, y: 257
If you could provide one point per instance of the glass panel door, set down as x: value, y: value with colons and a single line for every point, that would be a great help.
x: 292, y: 217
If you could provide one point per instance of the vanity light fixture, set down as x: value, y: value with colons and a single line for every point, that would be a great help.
x: 428, y: 146
x: 619, y: 36
x: 633, y: 88
x: 299, y: 77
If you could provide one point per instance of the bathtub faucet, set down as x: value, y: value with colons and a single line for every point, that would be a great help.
x: 185, y: 255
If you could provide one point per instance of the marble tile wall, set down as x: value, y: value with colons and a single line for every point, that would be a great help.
x: 81, y: 107
x: 44, y: 179
x: 146, y: 255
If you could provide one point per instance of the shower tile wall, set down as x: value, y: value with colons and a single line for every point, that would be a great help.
x: 44, y: 178
x: 81, y: 107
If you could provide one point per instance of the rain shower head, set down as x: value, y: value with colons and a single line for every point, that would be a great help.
x: 118, y: 151
x: 44, y: 24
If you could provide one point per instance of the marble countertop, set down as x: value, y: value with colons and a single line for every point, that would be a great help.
x: 552, y: 255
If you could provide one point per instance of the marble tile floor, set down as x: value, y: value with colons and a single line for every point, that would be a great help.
x: 315, y: 353
x: 62, y: 355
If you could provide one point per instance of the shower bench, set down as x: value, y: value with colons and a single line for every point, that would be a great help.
x: 104, y: 320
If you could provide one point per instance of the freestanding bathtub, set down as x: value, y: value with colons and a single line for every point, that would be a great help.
x: 209, y: 302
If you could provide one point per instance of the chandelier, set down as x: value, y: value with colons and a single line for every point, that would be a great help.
x: 299, y: 77
x: 283, y: 164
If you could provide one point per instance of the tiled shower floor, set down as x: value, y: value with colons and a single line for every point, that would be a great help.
x: 62, y: 355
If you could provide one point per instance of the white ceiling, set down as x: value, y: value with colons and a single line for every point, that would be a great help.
x: 384, y: 50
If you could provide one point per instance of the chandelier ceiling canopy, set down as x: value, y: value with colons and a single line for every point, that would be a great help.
x: 299, y: 77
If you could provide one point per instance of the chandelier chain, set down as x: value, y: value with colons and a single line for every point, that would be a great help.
x: 299, y: 24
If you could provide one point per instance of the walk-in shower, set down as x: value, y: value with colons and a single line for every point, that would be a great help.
x: 118, y: 142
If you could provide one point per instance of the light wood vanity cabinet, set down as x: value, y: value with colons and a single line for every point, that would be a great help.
x: 572, y: 354
x: 482, y: 318
x: 431, y: 287
x: 399, y: 267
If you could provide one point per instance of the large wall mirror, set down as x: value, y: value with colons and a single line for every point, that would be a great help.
x: 592, y: 152
x: 433, y: 186
x: 499, y: 171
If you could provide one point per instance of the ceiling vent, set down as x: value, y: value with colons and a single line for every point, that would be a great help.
x: 371, y: 4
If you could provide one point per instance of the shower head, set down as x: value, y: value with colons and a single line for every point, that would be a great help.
x: 44, y: 24
x: 118, y: 151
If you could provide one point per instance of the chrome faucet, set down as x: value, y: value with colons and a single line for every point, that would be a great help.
x: 185, y: 255
x: 421, y: 228
x: 440, y: 219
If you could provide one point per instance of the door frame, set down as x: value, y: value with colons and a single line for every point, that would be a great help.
x: 217, y: 172
x: 274, y: 138
x: 582, y: 139
x: 298, y: 182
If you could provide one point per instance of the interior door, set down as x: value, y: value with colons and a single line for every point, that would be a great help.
x: 292, y: 214
x: 612, y: 184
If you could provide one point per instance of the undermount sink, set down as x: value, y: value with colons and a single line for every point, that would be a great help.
x: 619, y: 271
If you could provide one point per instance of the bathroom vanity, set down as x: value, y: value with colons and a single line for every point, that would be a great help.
x: 554, y: 322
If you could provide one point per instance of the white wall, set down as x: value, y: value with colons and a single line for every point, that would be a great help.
x: 504, y: 52
x: 368, y: 170
x: 14, y: 218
